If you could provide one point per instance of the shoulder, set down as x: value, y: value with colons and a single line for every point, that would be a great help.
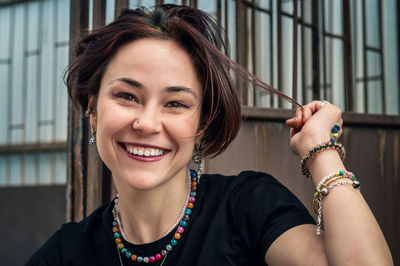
x: 258, y: 205
x: 71, y: 239
x: 243, y: 183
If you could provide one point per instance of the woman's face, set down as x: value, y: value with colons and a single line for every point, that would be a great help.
x: 147, y: 113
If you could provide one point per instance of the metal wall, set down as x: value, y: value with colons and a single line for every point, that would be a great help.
x: 30, y: 215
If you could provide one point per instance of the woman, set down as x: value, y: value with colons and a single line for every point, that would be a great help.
x: 158, y: 93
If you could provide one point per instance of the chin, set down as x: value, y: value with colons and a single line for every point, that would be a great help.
x: 142, y: 181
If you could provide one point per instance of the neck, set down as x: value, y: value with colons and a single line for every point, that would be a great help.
x: 147, y: 215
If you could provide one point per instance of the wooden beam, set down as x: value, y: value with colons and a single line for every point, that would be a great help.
x: 75, y: 159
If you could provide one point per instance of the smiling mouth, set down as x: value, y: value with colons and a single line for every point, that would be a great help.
x: 144, y: 151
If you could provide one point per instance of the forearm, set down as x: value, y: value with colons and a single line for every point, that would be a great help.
x: 352, y: 235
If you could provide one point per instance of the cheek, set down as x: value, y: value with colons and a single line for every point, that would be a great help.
x: 184, y: 130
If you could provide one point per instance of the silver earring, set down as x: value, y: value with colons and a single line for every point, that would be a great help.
x: 92, y: 140
x: 197, y: 160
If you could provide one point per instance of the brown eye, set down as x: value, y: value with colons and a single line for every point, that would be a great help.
x: 126, y: 96
x: 176, y: 104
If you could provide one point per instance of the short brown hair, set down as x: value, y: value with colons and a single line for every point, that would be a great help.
x: 199, y: 35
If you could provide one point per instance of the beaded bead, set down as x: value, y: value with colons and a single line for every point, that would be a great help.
x: 183, y: 223
x: 146, y: 259
x: 115, y: 229
x: 123, y: 250
x: 180, y: 229
x: 192, y: 173
x: 168, y: 247
x: 193, y: 194
x: 115, y: 223
x: 194, y: 183
x: 192, y: 199
x: 164, y: 252
x: 120, y: 246
x: 190, y: 205
x: 335, y: 128
x: 174, y: 242
x: 118, y: 240
x: 194, y: 188
x: 128, y: 254
x: 186, y: 217
x: 177, y: 236
x: 139, y: 259
x: 152, y: 259
x: 134, y: 257
x: 188, y: 211
x: 158, y: 256
x: 116, y: 235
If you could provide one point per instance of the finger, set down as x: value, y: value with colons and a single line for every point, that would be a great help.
x: 299, y: 118
x: 290, y: 122
x: 307, y: 113
x: 314, y: 106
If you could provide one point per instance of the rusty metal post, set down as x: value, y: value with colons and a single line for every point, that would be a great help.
x: 75, y: 158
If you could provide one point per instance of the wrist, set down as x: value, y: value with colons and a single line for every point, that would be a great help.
x: 324, y: 163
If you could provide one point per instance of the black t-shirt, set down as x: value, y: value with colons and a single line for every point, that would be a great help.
x: 234, y: 221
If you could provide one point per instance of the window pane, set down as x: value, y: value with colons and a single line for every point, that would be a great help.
x: 33, y: 57
x: 287, y: 6
x: 307, y: 10
x: 335, y: 72
x: 374, y: 65
x: 263, y: 4
x: 391, y: 57
x: 16, y: 173
x: 263, y: 55
x: 333, y: 16
x: 30, y: 167
x: 45, y: 168
x: 61, y: 167
x: 372, y: 23
x: 3, y: 171
x: 110, y: 10
x: 287, y: 58
x: 209, y: 6
x: 375, y: 97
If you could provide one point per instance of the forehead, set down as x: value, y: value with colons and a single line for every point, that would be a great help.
x: 151, y: 60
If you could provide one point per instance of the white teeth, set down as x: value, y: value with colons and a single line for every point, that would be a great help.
x: 144, y: 152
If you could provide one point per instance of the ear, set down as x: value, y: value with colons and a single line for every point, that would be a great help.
x: 93, y: 115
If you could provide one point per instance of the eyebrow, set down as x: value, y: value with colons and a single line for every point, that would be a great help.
x: 172, y: 89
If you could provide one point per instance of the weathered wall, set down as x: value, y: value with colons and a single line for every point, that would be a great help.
x: 29, y: 216
x: 373, y: 154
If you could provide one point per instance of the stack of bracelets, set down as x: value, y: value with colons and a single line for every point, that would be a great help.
x: 331, y: 180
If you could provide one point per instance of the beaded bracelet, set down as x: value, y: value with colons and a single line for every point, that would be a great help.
x: 328, y: 179
x: 331, y: 144
x: 325, y: 185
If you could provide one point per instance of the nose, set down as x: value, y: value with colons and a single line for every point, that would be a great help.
x: 147, y: 121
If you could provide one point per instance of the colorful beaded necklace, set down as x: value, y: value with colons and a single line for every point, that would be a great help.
x: 174, y: 241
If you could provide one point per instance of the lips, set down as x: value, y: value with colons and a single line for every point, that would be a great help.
x: 147, y: 151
